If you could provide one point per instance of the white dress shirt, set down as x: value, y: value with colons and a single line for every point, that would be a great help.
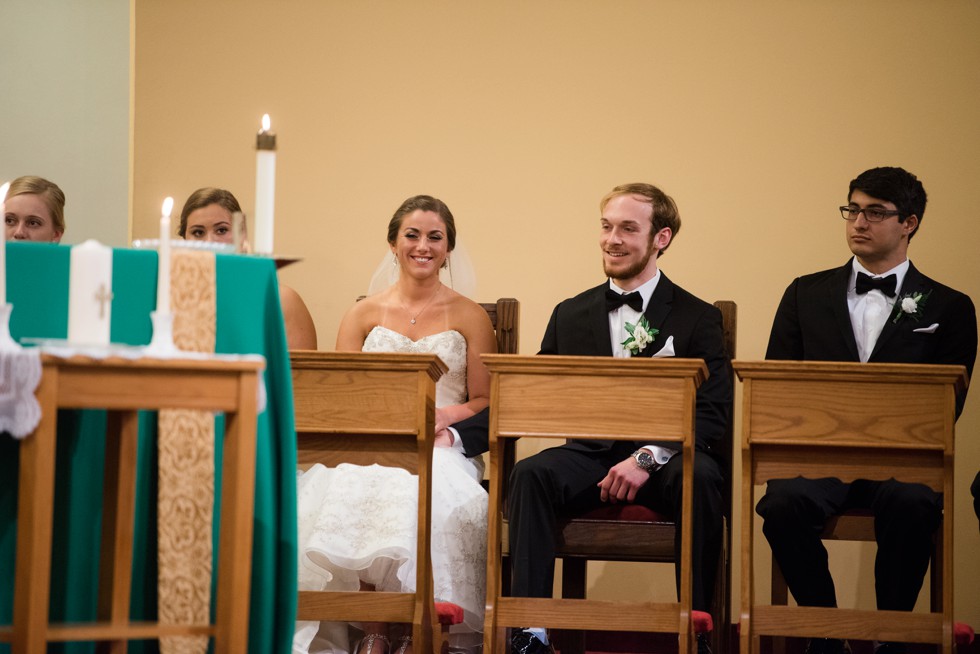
x: 618, y: 334
x: 869, y: 311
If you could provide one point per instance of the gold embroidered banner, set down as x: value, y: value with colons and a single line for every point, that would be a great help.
x: 186, y: 466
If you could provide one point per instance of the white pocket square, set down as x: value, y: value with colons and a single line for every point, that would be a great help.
x: 667, y: 350
x: 931, y: 329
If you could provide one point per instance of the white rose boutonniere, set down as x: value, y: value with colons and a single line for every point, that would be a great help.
x: 911, y: 306
x: 641, y: 335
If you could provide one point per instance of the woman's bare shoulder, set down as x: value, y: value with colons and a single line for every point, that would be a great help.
x: 357, y: 322
x: 300, y: 329
x: 472, y: 319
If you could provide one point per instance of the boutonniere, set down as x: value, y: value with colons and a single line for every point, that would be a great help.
x: 911, y: 306
x: 641, y: 334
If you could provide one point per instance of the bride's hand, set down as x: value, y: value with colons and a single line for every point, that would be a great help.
x: 442, y: 421
x: 444, y: 438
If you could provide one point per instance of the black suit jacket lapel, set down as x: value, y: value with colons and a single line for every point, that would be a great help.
x: 599, y: 322
x: 838, y: 306
x: 657, y: 310
x: 914, y: 282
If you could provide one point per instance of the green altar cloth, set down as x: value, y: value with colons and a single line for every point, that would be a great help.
x: 249, y: 321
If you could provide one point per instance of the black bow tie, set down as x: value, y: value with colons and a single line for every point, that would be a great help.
x: 886, y: 285
x: 615, y: 300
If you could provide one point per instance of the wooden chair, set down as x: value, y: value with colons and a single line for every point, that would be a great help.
x: 529, y: 399
x: 809, y: 418
x: 629, y: 532
x: 385, y: 389
x: 505, y: 316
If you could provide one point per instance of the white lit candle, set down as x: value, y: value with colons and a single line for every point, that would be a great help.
x: 3, y: 245
x: 163, y: 256
x: 265, y: 187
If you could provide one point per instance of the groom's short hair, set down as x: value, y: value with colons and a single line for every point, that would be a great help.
x: 664, y: 208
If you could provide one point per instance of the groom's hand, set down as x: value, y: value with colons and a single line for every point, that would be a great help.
x: 622, y: 482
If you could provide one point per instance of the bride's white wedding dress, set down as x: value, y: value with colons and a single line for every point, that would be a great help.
x: 358, y: 523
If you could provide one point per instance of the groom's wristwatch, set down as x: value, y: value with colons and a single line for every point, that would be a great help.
x: 645, y: 460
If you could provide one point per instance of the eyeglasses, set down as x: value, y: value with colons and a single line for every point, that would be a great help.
x: 871, y: 214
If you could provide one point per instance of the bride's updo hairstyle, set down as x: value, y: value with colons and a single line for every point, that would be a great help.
x: 423, y: 203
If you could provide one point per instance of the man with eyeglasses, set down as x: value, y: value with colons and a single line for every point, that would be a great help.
x: 877, y: 307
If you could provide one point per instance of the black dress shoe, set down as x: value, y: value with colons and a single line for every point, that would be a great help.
x: 827, y: 646
x: 524, y: 642
x: 704, y: 643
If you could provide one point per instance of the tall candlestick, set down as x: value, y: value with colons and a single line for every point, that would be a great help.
x: 163, y: 256
x: 265, y: 187
x: 3, y: 245
x: 237, y: 219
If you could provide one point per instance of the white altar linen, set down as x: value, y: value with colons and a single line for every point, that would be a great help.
x: 20, y: 374
x: 11, y: 393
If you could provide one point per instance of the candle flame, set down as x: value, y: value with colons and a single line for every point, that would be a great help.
x: 266, y: 123
x: 168, y: 206
x: 3, y: 191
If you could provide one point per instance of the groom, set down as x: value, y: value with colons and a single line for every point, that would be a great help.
x: 637, y: 224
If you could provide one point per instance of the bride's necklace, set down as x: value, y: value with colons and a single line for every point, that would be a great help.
x: 424, y: 307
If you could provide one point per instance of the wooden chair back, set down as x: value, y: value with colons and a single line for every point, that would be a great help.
x: 505, y: 315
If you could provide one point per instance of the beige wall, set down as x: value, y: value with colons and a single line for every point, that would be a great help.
x: 753, y: 115
x: 64, y: 79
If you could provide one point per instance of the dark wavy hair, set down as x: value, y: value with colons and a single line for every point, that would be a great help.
x: 895, y: 185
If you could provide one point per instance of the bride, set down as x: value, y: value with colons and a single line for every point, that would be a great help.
x: 357, y: 525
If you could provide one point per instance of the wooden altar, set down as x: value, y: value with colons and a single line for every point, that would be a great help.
x: 123, y: 387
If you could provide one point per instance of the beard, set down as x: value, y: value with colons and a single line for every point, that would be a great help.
x: 631, y: 271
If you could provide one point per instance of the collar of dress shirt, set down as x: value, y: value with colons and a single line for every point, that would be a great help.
x: 899, y: 272
x: 646, y: 289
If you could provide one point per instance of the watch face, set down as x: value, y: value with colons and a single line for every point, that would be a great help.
x: 644, y: 458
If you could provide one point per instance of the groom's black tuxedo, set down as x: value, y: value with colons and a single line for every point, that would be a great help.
x: 813, y: 323
x: 580, y: 326
x: 562, y: 481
